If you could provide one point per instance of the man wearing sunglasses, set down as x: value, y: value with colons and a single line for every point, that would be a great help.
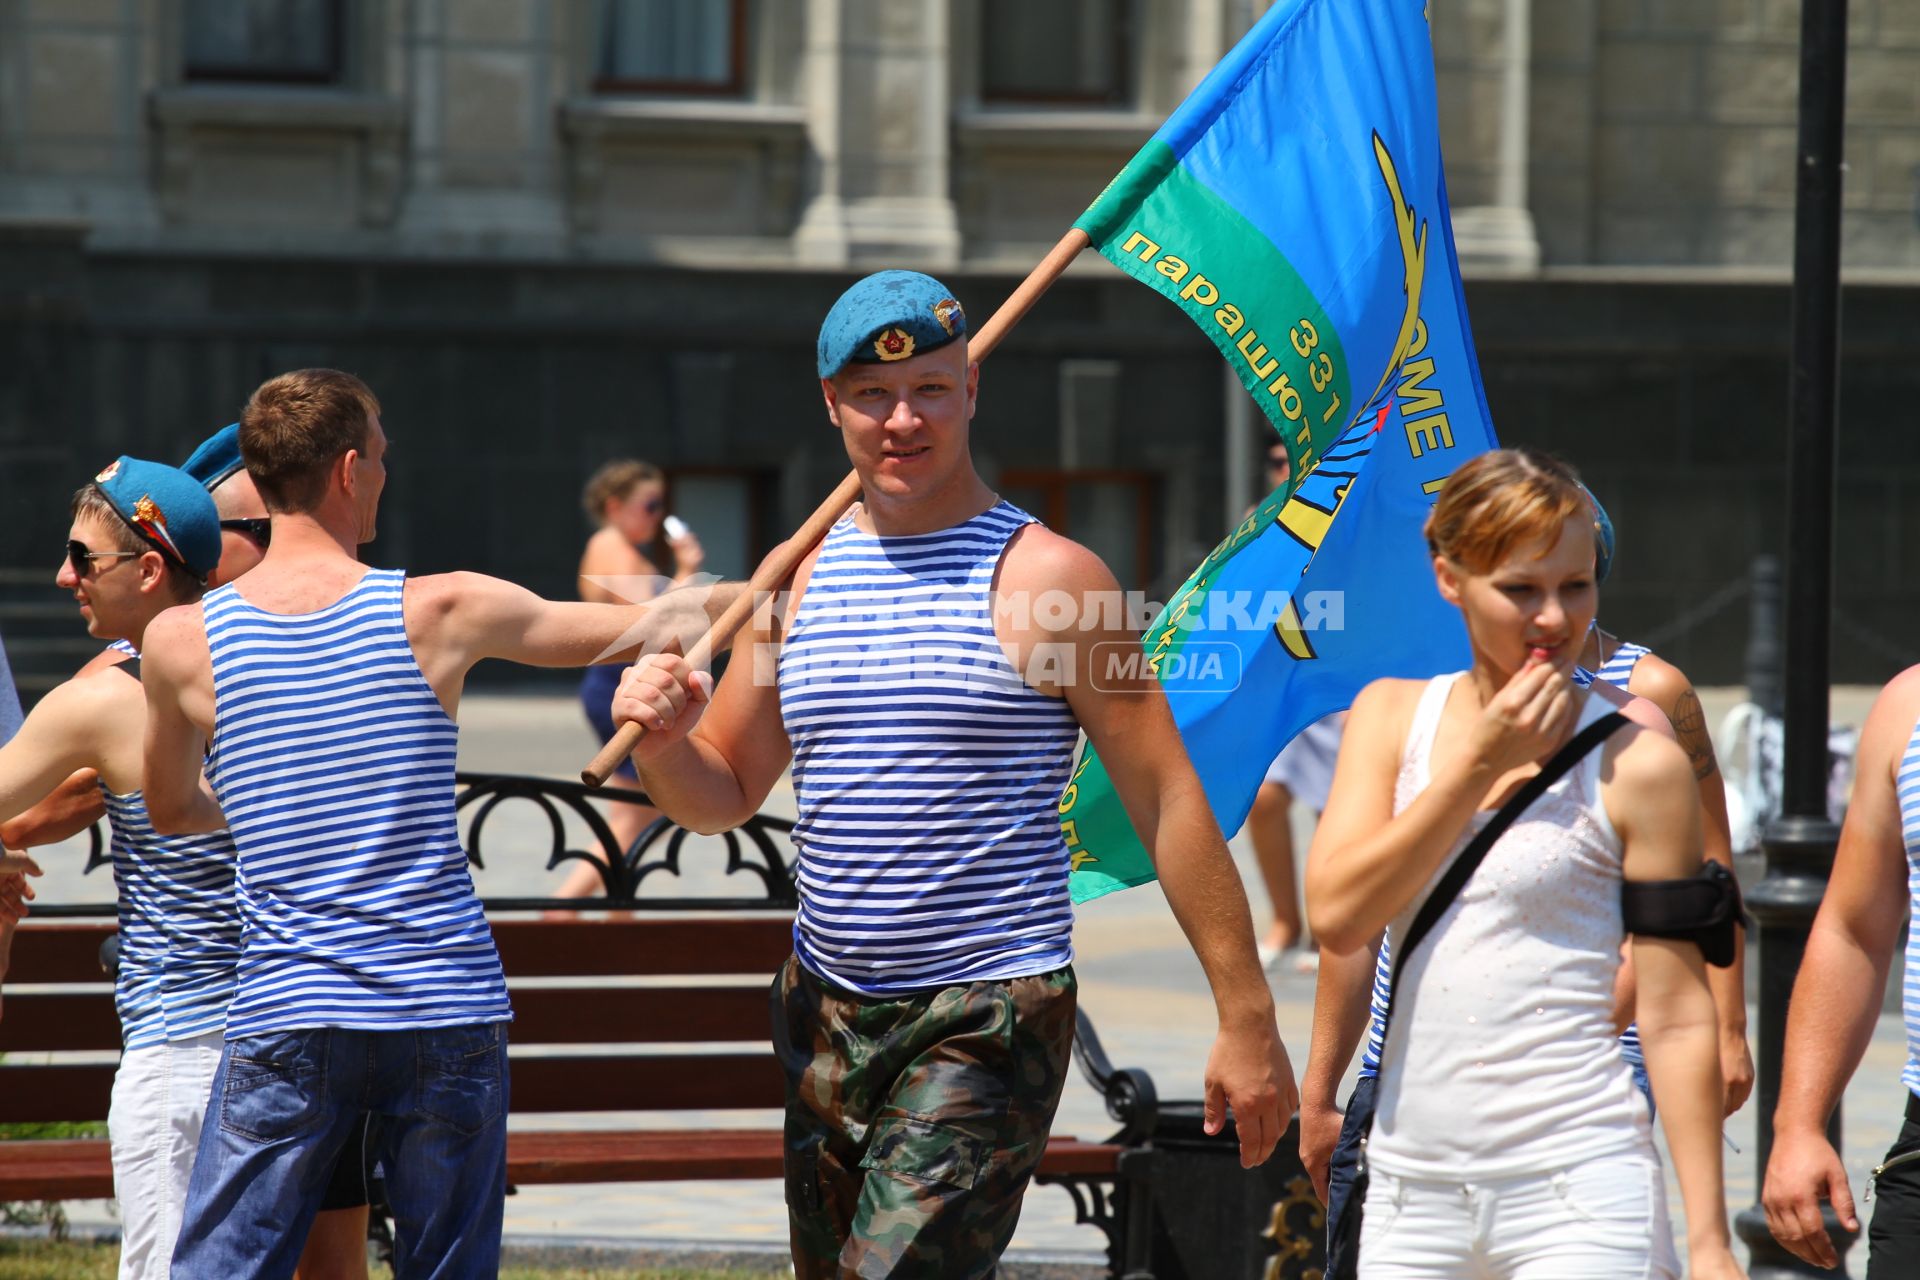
x: 144, y: 537
x: 161, y: 1109
x: 244, y: 526
x: 320, y: 695
x: 244, y: 530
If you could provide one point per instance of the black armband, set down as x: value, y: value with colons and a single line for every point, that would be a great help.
x: 1703, y: 909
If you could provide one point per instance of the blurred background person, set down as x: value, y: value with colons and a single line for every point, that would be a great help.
x: 1303, y: 770
x: 627, y: 500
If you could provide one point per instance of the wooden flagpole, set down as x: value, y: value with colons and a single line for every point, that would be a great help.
x: 778, y: 567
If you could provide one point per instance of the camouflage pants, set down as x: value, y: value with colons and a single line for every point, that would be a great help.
x: 914, y: 1124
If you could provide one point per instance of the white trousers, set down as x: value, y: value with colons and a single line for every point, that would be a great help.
x: 1601, y: 1219
x: 153, y: 1126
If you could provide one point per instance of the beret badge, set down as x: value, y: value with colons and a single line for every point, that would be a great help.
x: 150, y: 520
x: 945, y: 311
x: 167, y: 508
x: 893, y: 344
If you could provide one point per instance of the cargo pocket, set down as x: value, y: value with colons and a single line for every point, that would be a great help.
x: 926, y: 1151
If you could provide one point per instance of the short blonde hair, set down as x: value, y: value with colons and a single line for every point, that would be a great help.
x: 1503, y: 499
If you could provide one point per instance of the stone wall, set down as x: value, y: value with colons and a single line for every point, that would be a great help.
x: 1664, y: 131
x: 1655, y: 132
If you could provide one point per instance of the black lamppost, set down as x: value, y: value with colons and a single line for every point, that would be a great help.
x: 1800, y: 843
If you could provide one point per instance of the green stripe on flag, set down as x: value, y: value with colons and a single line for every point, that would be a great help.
x: 1169, y: 231
x: 1103, y: 851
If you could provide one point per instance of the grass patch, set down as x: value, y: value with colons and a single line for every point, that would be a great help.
x: 31, y: 1259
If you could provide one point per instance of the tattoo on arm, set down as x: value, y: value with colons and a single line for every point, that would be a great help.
x: 1690, y: 726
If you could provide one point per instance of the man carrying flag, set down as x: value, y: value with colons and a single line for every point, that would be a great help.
x: 929, y: 703
x: 1288, y: 206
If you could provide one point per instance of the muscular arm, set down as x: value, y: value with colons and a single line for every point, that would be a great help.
x: 1836, y: 998
x: 54, y: 741
x: 75, y: 804
x: 1127, y: 719
x: 1650, y: 797
x: 1668, y: 688
x: 459, y: 618
x: 72, y: 807
x: 710, y: 767
x: 178, y: 677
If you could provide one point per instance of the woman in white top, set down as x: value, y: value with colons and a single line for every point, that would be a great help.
x: 1510, y: 1141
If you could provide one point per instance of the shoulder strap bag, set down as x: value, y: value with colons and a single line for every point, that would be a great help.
x: 1347, y: 1230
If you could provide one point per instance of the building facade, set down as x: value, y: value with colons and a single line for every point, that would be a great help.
x: 549, y: 233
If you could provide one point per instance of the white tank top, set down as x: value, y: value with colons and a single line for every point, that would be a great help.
x: 1501, y: 1059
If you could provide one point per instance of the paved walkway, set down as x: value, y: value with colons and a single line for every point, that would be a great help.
x: 1139, y: 982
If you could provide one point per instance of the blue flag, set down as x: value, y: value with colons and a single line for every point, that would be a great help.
x: 1295, y: 207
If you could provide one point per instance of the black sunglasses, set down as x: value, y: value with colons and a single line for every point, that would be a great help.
x: 81, y: 557
x: 259, y: 528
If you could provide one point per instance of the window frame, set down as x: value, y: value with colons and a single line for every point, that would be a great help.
x: 734, y: 87
x: 336, y: 73
x: 1126, y: 57
x: 763, y: 496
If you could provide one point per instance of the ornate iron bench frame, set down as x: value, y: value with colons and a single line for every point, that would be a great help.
x: 1101, y: 1199
x: 1135, y: 1202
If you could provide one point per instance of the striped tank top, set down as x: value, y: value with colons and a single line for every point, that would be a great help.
x: 179, y: 936
x: 928, y: 773
x: 1907, y: 790
x: 1616, y: 671
x: 333, y: 761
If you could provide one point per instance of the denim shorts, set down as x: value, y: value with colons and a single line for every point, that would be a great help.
x: 287, y: 1104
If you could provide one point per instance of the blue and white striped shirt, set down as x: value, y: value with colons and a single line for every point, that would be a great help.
x: 1616, y: 670
x: 1907, y: 789
x: 179, y: 936
x: 928, y: 773
x: 334, y: 760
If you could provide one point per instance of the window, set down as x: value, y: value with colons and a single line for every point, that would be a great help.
x: 1110, y: 512
x: 672, y: 46
x: 1070, y: 52
x: 277, y: 41
x: 727, y: 510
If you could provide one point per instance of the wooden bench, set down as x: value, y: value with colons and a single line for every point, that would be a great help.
x: 661, y: 1007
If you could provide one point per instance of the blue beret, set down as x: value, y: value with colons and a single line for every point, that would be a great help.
x: 217, y: 457
x: 890, y: 315
x: 168, y: 509
x: 1602, y: 538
